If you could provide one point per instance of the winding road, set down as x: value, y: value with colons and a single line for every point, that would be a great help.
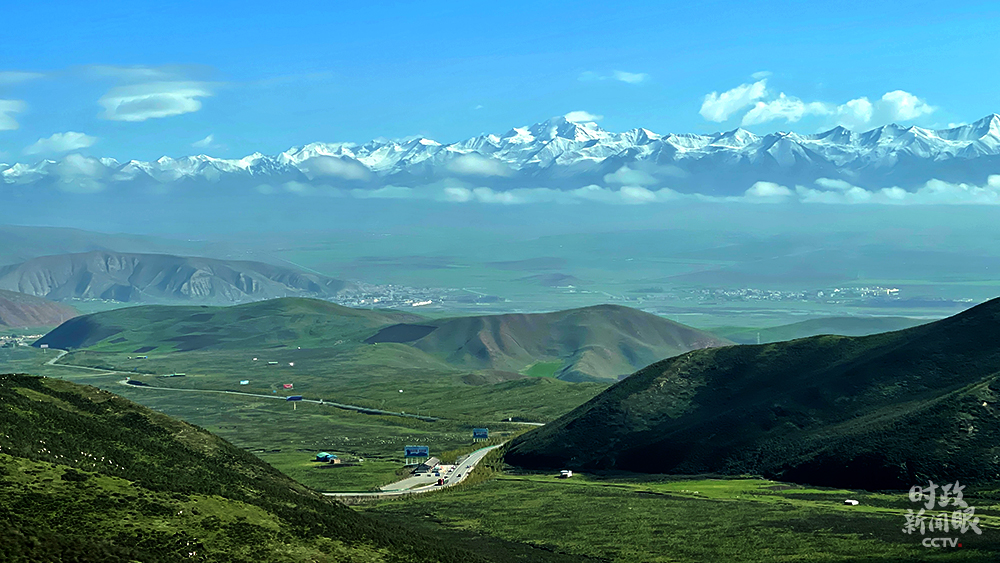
x: 356, y: 408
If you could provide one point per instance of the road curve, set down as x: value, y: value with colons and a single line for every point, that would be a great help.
x: 461, y: 473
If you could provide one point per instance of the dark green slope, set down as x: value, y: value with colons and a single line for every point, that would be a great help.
x: 89, y: 476
x: 882, y: 411
x: 306, y: 322
x: 591, y: 343
x: 842, y: 326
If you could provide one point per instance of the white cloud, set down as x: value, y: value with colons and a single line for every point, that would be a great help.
x: 768, y: 191
x: 486, y: 195
x: 630, y: 77
x: 718, y: 107
x: 932, y: 192
x: 581, y: 116
x: 903, y: 106
x: 627, y: 176
x: 388, y: 192
x: 784, y: 107
x: 61, y: 142
x: 15, y: 77
x: 860, y: 112
x: 636, y: 195
x: 458, y: 195
x: 855, y: 113
x: 331, y: 166
x: 833, y: 184
x: 136, y: 73
x: 139, y: 102
x: 619, y: 75
x: 204, y: 143
x: 474, y: 164
x: 893, y: 106
x: 300, y: 188
x: 761, y: 74
x: 7, y: 110
x: 80, y: 174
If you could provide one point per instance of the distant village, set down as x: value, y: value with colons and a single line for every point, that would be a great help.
x: 391, y: 296
x: 15, y: 340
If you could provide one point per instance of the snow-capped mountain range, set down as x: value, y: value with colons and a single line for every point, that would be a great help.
x: 562, y: 154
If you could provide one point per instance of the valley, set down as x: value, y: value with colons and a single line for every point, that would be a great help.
x: 366, y: 358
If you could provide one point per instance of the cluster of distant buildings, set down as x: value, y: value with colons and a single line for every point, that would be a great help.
x: 15, y: 340
x: 749, y: 294
x: 389, y: 296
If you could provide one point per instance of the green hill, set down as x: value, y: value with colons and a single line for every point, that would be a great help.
x: 86, y: 475
x: 263, y: 324
x: 883, y: 411
x: 842, y: 326
x: 587, y: 344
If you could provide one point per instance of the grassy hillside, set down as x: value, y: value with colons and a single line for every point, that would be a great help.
x: 881, y: 411
x: 22, y: 310
x: 264, y: 324
x: 591, y: 343
x: 89, y: 476
x: 842, y: 326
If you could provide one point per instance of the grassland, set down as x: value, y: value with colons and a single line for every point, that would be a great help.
x: 543, y: 369
x: 647, y: 519
x: 89, y: 476
x: 289, y: 439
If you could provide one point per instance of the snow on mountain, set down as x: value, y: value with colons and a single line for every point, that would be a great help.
x: 564, y: 154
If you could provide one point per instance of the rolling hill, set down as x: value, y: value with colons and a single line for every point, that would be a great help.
x: 842, y: 326
x: 19, y: 310
x: 263, y: 324
x: 89, y: 476
x: 160, y: 278
x: 592, y: 343
x: 885, y: 411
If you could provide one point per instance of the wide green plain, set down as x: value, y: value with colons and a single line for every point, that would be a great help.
x: 646, y: 519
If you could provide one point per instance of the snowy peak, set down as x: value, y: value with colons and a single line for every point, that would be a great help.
x: 557, y: 150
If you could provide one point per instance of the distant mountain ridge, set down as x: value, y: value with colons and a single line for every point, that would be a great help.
x: 563, y: 154
x: 130, y: 278
x: 587, y: 344
x: 18, y: 310
x: 842, y: 326
x: 598, y: 343
x: 875, y: 412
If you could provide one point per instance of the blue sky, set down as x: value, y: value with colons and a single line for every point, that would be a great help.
x: 141, y: 80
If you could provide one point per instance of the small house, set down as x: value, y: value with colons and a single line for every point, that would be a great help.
x: 565, y: 474
x: 428, y: 465
x: 327, y: 457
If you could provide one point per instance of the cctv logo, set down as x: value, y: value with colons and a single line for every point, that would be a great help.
x: 941, y: 542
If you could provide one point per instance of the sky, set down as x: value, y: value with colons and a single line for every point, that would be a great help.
x: 140, y: 80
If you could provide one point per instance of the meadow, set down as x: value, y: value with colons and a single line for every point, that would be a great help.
x: 649, y: 518
x: 288, y: 438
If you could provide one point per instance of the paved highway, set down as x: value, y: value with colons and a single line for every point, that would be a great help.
x: 459, y: 474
